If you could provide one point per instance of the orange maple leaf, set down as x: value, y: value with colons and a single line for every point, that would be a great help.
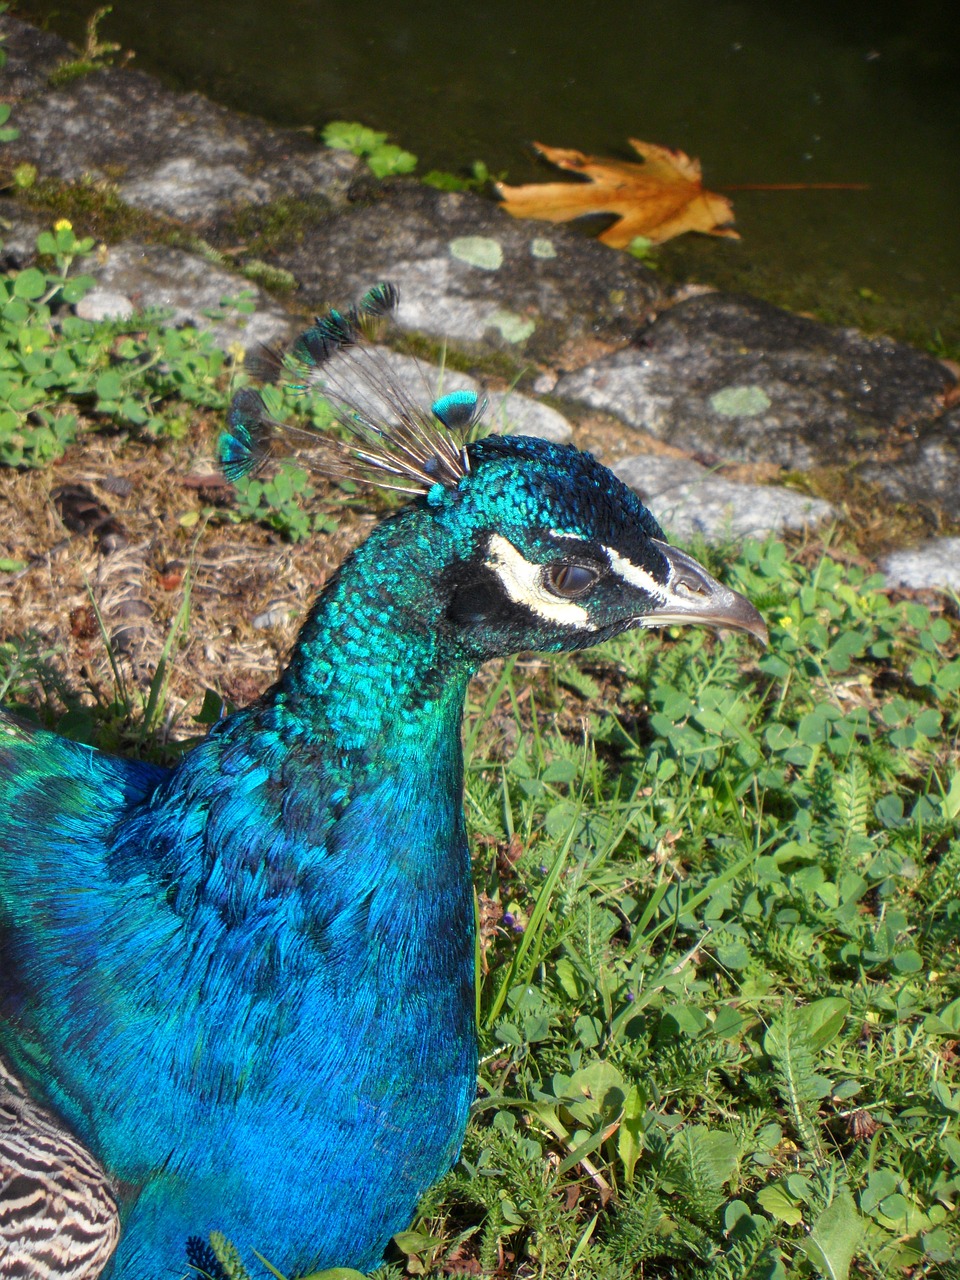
x: 661, y: 198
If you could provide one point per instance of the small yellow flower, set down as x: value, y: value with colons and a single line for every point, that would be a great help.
x: 786, y: 620
x: 63, y: 224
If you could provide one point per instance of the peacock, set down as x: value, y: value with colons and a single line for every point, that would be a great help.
x: 238, y: 994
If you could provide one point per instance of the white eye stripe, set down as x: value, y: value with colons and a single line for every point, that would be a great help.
x: 635, y: 576
x: 521, y: 580
x: 620, y: 565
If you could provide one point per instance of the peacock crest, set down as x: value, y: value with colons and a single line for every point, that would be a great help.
x: 386, y: 439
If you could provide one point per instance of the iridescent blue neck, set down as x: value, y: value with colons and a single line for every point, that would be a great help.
x: 375, y: 660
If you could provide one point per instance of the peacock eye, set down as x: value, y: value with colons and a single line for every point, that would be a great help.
x: 570, y: 580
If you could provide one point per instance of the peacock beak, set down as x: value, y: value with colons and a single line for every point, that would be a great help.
x: 694, y: 597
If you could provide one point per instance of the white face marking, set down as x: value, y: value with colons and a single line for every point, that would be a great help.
x: 690, y: 595
x: 636, y: 576
x: 522, y: 582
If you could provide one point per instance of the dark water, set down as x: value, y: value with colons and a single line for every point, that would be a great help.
x: 761, y: 90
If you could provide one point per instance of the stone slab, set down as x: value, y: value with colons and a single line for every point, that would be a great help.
x: 934, y: 565
x: 740, y: 379
x: 926, y: 468
x: 690, y: 500
x: 470, y: 274
x: 175, y: 155
x: 32, y: 56
x: 19, y: 228
x: 142, y: 277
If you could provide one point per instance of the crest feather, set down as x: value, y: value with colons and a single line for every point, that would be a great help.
x: 389, y: 440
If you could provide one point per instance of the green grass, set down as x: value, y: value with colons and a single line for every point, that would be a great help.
x: 724, y: 1043
x: 60, y: 374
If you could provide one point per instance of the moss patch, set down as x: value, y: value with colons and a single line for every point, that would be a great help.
x: 270, y: 228
x: 499, y: 365
x: 96, y: 208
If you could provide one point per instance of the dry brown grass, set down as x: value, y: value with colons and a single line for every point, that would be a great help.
x: 166, y: 535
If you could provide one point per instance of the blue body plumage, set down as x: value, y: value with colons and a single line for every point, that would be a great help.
x: 246, y: 984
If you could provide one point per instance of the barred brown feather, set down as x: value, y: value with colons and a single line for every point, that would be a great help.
x: 58, y: 1216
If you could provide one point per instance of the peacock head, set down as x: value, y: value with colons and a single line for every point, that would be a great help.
x: 548, y: 550
x: 526, y: 544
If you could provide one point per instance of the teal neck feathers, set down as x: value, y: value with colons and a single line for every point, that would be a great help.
x: 375, y: 661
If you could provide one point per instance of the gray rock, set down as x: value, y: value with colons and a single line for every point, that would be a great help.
x: 192, y: 190
x: 275, y: 616
x: 688, y: 499
x: 142, y: 277
x: 514, y: 414
x: 508, y: 412
x: 175, y: 155
x: 32, y: 55
x: 19, y: 228
x: 469, y: 273
x: 935, y: 564
x: 926, y: 469
x: 740, y: 379
x: 105, y: 304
